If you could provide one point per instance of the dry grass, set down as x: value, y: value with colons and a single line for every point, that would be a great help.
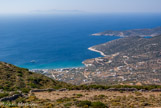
x: 112, y: 99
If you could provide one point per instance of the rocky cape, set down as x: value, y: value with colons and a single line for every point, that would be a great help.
x: 134, y: 32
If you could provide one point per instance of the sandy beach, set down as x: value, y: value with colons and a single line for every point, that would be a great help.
x: 92, y: 49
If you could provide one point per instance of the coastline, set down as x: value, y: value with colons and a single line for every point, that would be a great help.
x: 53, y: 65
x: 92, y: 49
x: 70, y: 67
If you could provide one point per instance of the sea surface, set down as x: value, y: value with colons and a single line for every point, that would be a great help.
x: 61, y: 41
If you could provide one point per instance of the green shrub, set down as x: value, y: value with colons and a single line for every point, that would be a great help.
x: 57, y: 86
x: 3, y: 95
x: 19, y: 74
x: 63, y: 100
x: 84, y: 103
x: 25, y: 90
x: 8, y: 88
x: 78, y: 95
x: 87, y: 104
x: 98, y: 105
x: 32, y: 85
x: 20, y: 99
x: 101, y: 96
x: 67, y: 105
x: 1, y: 87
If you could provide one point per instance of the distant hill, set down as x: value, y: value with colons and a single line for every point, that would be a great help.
x: 134, y: 32
x: 15, y: 78
x: 130, y: 45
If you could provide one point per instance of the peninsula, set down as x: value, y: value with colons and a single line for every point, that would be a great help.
x: 134, y: 32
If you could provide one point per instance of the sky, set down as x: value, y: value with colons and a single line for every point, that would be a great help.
x: 93, y: 6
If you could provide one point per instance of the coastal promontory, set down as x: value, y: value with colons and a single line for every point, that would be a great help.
x: 134, y: 32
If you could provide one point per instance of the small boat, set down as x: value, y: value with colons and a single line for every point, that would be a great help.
x: 32, y: 61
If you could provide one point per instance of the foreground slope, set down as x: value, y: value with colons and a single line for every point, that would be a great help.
x: 15, y: 78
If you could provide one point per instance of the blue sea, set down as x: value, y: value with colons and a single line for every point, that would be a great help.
x: 61, y: 41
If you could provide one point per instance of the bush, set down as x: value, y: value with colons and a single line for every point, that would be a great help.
x: 20, y: 100
x: 19, y: 74
x: 8, y: 88
x: 78, y: 95
x: 3, y: 95
x: 25, y: 90
x: 98, y: 105
x: 32, y: 85
x: 101, y: 96
x: 1, y: 87
x: 63, y: 100
x: 84, y: 103
x: 68, y: 105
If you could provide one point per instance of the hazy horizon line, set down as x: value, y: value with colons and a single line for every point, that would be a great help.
x: 68, y: 12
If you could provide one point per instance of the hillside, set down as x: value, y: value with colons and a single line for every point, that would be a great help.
x: 130, y: 33
x: 130, y: 45
x: 14, y: 78
x: 131, y: 59
x: 119, y: 45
